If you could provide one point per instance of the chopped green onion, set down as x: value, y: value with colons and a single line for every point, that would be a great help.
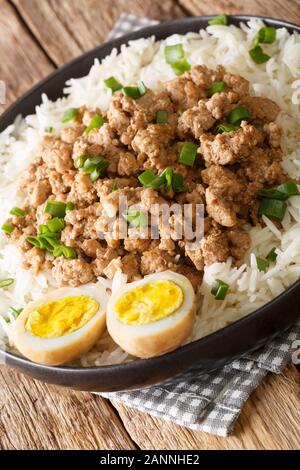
x: 266, y: 35
x: 17, y: 212
x: 162, y: 117
x: 180, y: 112
x: 55, y: 208
x: 91, y: 163
x: 33, y: 241
x: 262, y: 264
x: 167, y: 175
x: 95, y: 167
x: 217, y: 87
x: 48, y: 129
x: 273, y: 208
x: 58, y: 251
x: 114, y: 187
x: 7, y: 228
x: 135, y: 218
x: 47, y: 243
x: 178, y: 184
x: 239, y: 114
x: 135, y: 92
x: 219, y: 289
x: 224, y: 127
x: 272, y: 255
x: 70, y: 115
x: 6, y: 282
x: 79, y: 161
x: 57, y: 224
x: 113, y: 84
x: 44, y: 230
x: 95, y: 175
x: 70, y: 206
x: 16, y: 311
x: 282, y: 192
x: 219, y: 20
x: 175, y: 56
x: 188, y: 154
x: 150, y: 180
x: 258, y: 55
x: 96, y: 122
x: 69, y: 252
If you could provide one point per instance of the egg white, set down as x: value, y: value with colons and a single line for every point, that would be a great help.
x: 66, y: 348
x: 161, y: 336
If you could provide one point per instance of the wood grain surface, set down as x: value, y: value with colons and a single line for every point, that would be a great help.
x: 36, y: 36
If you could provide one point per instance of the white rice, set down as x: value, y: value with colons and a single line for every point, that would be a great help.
x: 278, y: 79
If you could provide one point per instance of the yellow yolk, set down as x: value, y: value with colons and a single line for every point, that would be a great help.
x: 149, y: 303
x: 61, y: 317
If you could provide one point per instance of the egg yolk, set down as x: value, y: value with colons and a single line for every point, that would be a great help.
x: 61, y: 317
x: 149, y: 303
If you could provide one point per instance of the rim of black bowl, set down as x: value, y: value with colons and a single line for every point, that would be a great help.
x: 195, y: 24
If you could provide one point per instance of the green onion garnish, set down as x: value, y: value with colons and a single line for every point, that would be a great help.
x: 48, y: 129
x: 272, y: 255
x: 57, y: 224
x: 219, y: 289
x: 79, y: 161
x: 55, y: 208
x: 188, y: 154
x: 96, y: 122
x: 167, y: 178
x: 220, y: 128
x: 95, y: 167
x: 69, y: 252
x: 33, y: 241
x: 266, y: 35
x: 258, y: 55
x: 161, y: 117
x: 44, y: 230
x: 178, y: 184
x: 135, y: 92
x: 7, y: 228
x: 262, y: 264
x: 239, y: 114
x: 135, y: 218
x: 217, y: 87
x: 150, y: 180
x: 70, y: 206
x: 175, y: 56
x: 220, y: 19
x: 65, y: 251
x: 273, y: 208
x: 6, y: 282
x: 17, y: 212
x: 70, y: 115
x: 58, y: 251
x: 281, y: 192
x: 167, y: 175
x: 16, y: 311
x: 113, y: 84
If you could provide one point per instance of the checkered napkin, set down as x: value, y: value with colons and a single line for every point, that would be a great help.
x: 207, y: 402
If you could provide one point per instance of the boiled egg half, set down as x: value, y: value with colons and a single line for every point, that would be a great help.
x: 62, y: 325
x: 152, y: 316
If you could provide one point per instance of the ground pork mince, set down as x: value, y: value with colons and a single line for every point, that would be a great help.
x: 229, y: 169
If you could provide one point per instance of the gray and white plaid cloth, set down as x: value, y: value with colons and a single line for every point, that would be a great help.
x: 207, y: 402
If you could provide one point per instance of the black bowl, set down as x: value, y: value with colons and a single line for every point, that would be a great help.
x: 208, y: 353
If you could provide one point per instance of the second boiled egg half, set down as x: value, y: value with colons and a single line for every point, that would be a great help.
x: 152, y: 316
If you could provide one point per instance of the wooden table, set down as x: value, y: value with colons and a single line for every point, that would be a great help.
x: 37, y: 36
